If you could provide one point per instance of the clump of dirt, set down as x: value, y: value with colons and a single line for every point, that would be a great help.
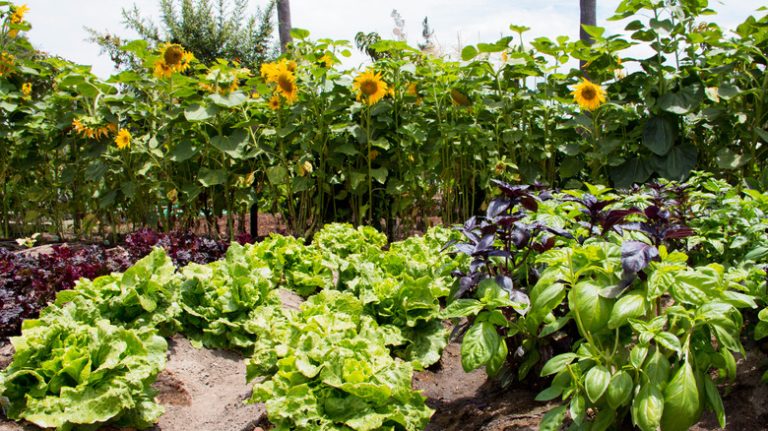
x: 469, y: 401
x: 205, y: 389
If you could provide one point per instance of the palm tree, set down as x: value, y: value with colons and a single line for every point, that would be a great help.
x: 284, y: 22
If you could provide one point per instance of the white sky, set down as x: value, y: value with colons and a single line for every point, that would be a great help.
x: 58, y: 25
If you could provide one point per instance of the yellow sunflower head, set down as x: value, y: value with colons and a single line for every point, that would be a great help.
x: 123, y: 139
x: 18, y: 14
x: 26, y: 90
x: 290, y: 65
x: 233, y: 86
x: 588, y: 95
x: 173, y: 53
x: 274, y: 102
x: 162, y: 70
x: 326, y: 60
x: 370, y: 87
x: 305, y: 168
x: 269, y: 71
x: 286, y: 85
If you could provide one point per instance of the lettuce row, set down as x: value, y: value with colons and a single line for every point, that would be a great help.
x: 219, y: 298
x: 93, y: 353
x: 71, y: 374
x: 329, y: 369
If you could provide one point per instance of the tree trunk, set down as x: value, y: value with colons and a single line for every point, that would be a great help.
x: 284, y: 22
x: 588, y: 10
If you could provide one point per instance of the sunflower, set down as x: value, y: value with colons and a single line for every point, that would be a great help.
x: 79, y: 127
x: 18, y: 14
x: 459, y: 99
x: 172, y: 54
x: 286, y: 85
x: 173, y: 59
x: 589, y: 96
x: 326, y: 60
x: 123, y: 139
x: 272, y: 71
x: 233, y: 86
x: 26, y: 90
x: 274, y: 102
x: 269, y: 71
x: 370, y: 87
x: 7, y: 62
x: 162, y: 70
x: 305, y: 168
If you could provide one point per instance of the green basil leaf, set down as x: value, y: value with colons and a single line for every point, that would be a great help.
x: 553, y: 419
x: 557, y: 363
x: 714, y: 400
x: 479, y: 345
x: 682, y: 406
x: 629, y: 306
x: 620, y: 390
x: 596, y: 382
x: 647, y: 407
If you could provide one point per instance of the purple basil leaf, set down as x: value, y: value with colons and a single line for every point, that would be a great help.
x: 546, y: 244
x: 499, y: 253
x: 497, y: 206
x: 636, y: 255
x: 465, y: 248
x: 529, y: 203
x: 676, y: 232
x: 520, y: 236
x: 505, y: 283
x: 485, y: 244
x: 470, y: 223
x: 476, y: 264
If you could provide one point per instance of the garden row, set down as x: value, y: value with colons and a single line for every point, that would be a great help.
x: 29, y: 279
x: 632, y: 307
x: 171, y: 140
x: 91, y: 356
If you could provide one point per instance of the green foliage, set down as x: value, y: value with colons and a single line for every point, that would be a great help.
x: 332, y: 365
x: 209, y: 29
x: 219, y: 298
x: 205, y: 139
x: 333, y: 372
x: 146, y: 295
x: 72, y: 374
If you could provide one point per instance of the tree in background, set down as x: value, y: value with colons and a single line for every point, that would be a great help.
x: 208, y: 29
x: 588, y: 9
x: 284, y: 23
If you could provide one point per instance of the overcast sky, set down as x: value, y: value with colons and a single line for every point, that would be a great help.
x: 58, y: 25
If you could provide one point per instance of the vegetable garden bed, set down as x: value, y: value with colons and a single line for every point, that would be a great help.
x: 567, y: 285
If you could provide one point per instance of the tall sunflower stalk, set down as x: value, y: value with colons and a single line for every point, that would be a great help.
x: 590, y: 97
x: 370, y: 88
